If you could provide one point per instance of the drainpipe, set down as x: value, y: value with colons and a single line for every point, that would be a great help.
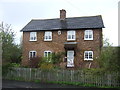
x: 89, y: 65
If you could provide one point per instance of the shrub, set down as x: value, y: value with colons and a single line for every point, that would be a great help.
x: 51, y: 61
x: 57, y: 57
x: 47, y: 66
x: 37, y: 81
x: 109, y: 59
x: 5, y: 68
x: 15, y: 64
x: 34, y: 62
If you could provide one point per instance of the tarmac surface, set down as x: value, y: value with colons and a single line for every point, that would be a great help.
x: 22, y: 84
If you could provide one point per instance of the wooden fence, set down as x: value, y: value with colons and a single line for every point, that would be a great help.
x: 31, y: 74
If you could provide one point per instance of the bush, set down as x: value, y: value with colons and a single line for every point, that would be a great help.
x: 109, y: 59
x: 15, y: 64
x: 94, y: 71
x: 34, y: 62
x: 57, y: 57
x: 51, y: 61
x: 5, y: 68
x: 47, y: 66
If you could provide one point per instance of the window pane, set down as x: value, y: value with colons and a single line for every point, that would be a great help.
x: 68, y: 32
x: 86, y: 32
x: 86, y: 55
x: 73, y: 32
x: 45, y: 54
x: 49, y: 37
x: 90, y: 31
x: 73, y: 36
x: 34, y: 54
x: 90, y: 55
x: 34, y: 34
x: 49, y: 54
x: 90, y: 36
x: 46, y: 37
x: 86, y: 36
x: 34, y: 38
x: 31, y: 38
x: 50, y: 33
x: 30, y: 54
x: 69, y: 37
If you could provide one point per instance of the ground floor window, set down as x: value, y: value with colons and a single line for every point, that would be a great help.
x: 32, y: 54
x: 48, y: 55
x: 88, y: 55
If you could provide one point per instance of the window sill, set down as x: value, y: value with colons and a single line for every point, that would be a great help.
x: 47, y: 40
x: 88, y: 39
x: 71, y: 39
x: 88, y: 59
x: 32, y: 40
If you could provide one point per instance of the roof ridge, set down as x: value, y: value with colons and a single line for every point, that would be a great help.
x: 66, y: 18
x: 84, y: 16
x: 46, y: 19
x: 70, y: 23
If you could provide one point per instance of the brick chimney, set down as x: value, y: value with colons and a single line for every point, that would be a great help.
x: 62, y: 14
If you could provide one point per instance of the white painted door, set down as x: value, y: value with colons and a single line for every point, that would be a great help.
x: 70, y: 58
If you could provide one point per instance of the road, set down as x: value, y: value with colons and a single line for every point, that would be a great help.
x: 22, y: 84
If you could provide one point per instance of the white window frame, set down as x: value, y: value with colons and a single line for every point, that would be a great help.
x: 70, y: 33
x: 33, y: 36
x: 47, y: 55
x: 32, y: 54
x: 48, y: 34
x: 87, y: 32
x: 88, y: 55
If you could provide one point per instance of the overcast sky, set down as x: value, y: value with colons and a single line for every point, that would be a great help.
x: 19, y: 12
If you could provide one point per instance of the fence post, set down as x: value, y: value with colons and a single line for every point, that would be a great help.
x: 71, y: 75
x: 30, y: 74
x: 63, y: 76
x: 109, y: 79
x: 19, y: 72
x: 57, y: 75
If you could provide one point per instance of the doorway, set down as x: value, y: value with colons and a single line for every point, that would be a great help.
x: 70, y: 58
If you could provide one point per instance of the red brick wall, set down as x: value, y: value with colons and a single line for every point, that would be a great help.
x: 57, y: 45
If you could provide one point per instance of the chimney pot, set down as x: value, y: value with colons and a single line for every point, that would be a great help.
x: 62, y: 14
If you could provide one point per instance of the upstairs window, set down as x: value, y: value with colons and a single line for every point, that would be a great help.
x: 88, y: 55
x: 71, y: 35
x: 33, y: 36
x: 88, y: 35
x: 32, y: 54
x: 48, y: 55
x: 48, y: 36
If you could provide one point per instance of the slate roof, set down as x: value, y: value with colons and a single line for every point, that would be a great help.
x: 68, y: 23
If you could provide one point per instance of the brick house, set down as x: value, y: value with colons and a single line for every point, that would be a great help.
x: 79, y: 37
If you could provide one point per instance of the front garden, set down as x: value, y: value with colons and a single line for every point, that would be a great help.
x: 86, y: 77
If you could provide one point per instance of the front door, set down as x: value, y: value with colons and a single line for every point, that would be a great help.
x: 70, y: 58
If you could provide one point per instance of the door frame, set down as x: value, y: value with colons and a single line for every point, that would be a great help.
x: 72, y: 59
